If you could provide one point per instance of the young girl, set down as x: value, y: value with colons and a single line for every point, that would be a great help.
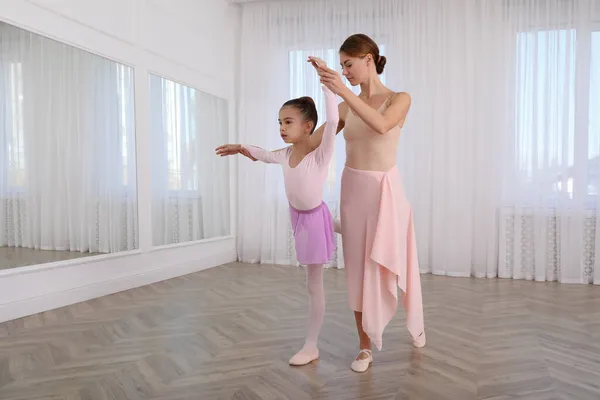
x: 304, y: 173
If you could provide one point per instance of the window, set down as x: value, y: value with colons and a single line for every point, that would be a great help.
x: 15, y: 170
x: 126, y: 111
x: 180, y: 103
x: 548, y: 136
x: 594, y: 117
x: 302, y: 74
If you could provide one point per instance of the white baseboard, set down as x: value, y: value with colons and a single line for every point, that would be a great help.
x: 147, y: 268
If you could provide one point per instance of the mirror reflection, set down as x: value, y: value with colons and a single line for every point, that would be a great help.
x: 190, y: 187
x: 67, y: 152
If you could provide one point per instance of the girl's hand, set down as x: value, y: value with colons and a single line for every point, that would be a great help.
x: 229, y: 150
x: 317, y: 62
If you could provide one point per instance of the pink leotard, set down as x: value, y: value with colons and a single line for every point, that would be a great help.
x: 304, y: 183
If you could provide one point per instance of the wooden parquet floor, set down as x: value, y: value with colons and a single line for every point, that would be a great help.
x: 227, y: 333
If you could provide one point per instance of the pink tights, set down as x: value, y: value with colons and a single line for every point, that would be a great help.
x: 316, y: 306
x: 316, y: 312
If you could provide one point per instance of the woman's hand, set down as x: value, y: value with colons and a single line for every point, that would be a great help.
x: 229, y: 149
x: 332, y: 80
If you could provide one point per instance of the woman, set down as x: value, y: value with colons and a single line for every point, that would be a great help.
x: 376, y: 218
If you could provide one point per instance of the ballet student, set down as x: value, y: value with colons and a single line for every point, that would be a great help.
x: 305, y: 169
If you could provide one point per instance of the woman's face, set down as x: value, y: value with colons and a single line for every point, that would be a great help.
x: 355, y: 69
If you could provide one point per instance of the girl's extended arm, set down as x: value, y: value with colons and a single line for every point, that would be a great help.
x: 317, y: 136
x: 269, y: 157
x: 325, y: 149
x: 252, y: 152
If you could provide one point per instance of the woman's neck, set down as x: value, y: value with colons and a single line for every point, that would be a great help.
x: 372, y: 87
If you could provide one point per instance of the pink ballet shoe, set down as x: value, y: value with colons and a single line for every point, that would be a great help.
x: 304, y: 357
x: 419, y: 341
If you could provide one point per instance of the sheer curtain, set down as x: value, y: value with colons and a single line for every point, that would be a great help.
x: 190, y: 186
x: 67, y: 150
x: 499, y: 153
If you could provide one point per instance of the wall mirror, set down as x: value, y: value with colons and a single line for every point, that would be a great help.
x: 190, y: 184
x: 67, y: 152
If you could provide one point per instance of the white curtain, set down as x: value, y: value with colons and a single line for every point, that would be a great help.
x: 190, y: 185
x: 67, y: 150
x: 500, y: 151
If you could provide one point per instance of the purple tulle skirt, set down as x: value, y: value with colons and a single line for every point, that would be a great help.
x: 313, y: 234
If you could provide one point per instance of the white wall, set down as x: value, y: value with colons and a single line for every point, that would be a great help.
x: 189, y: 41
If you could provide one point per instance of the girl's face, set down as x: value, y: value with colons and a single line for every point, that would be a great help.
x: 292, y: 125
x: 356, y: 69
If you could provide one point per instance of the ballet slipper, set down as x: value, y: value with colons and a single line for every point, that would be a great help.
x: 362, y: 364
x: 304, y: 356
x: 419, y: 341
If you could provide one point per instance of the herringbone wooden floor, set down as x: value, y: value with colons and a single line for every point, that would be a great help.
x: 227, y: 333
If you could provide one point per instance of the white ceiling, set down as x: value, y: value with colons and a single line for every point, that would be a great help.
x: 246, y: 1
x: 242, y: 1
x: 254, y: 1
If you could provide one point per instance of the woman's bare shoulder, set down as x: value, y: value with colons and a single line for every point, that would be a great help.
x: 343, y: 110
x: 400, y: 96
